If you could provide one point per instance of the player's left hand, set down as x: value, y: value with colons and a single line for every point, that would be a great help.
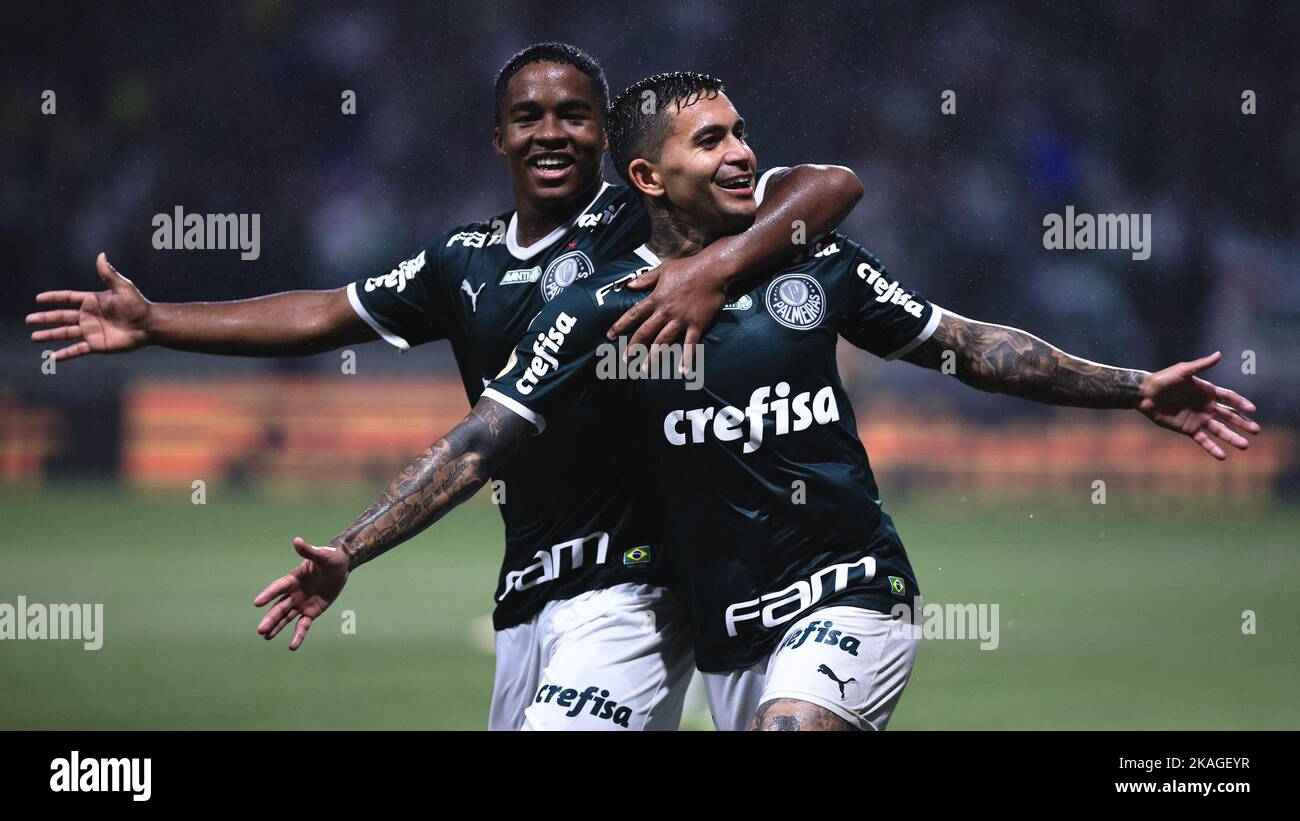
x: 688, y: 294
x: 306, y: 591
x: 1178, y: 399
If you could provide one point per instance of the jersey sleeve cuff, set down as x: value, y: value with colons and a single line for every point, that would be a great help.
x: 936, y: 313
x: 388, y: 336
x: 762, y: 183
x: 535, y: 419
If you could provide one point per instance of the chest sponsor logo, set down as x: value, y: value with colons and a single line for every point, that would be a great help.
x: 549, y: 564
x: 796, y: 301
x: 780, y: 606
x: 887, y: 291
x: 564, y: 271
x: 522, y: 276
x: 727, y: 424
x: 741, y: 303
x: 399, y: 276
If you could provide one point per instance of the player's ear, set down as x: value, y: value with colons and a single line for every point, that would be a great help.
x: 498, y: 141
x: 644, y: 177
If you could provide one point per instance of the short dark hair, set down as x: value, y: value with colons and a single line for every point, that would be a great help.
x: 638, y: 123
x: 561, y: 53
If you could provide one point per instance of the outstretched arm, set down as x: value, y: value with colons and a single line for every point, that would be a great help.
x: 689, y: 291
x: 446, y: 474
x: 120, y: 319
x: 439, y: 479
x: 1006, y: 360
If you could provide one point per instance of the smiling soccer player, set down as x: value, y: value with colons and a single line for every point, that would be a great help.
x: 759, y: 571
x: 571, y: 607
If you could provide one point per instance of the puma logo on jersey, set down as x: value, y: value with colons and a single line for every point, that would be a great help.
x: 399, y: 276
x: 730, y: 423
x: 829, y: 673
x: 473, y: 295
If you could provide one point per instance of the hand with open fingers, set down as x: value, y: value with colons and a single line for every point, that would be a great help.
x: 1178, y: 399
x: 687, y: 297
x: 305, y: 593
x: 111, y: 321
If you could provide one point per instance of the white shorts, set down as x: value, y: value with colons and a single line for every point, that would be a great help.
x: 612, y: 659
x: 852, y: 661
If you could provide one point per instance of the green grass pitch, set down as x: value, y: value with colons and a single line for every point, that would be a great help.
x: 1110, y: 617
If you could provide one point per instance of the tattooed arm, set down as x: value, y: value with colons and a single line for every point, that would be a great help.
x: 450, y: 471
x: 999, y: 359
x: 436, y: 481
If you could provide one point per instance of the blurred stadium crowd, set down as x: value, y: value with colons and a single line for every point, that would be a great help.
x: 1129, y: 107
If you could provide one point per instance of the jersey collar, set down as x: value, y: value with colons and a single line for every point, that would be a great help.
x: 520, y: 252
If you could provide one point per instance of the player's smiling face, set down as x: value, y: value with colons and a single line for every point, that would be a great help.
x: 552, y: 134
x: 707, y: 170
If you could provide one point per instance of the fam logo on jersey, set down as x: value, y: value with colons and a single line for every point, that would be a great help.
x: 780, y: 606
x: 399, y: 276
x: 796, y: 301
x: 564, y: 271
x: 741, y: 303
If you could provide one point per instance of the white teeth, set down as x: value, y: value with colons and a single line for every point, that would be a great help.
x: 550, y: 162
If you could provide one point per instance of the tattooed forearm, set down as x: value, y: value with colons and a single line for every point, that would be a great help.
x: 446, y: 474
x: 1006, y: 360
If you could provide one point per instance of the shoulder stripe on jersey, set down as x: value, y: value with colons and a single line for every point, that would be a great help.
x: 935, y: 315
x: 648, y: 255
x: 533, y: 418
x: 387, y: 335
x: 519, y: 252
x: 762, y: 183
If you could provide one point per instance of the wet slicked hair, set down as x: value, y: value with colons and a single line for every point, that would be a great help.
x: 640, y: 118
x: 561, y: 53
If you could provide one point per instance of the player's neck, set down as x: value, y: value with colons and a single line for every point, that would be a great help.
x: 673, y: 236
x: 534, y: 220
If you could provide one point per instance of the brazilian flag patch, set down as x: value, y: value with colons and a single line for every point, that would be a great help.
x: 896, y: 584
x: 637, y: 555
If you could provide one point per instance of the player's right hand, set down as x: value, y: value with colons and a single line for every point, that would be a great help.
x: 111, y: 321
x: 307, y: 591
